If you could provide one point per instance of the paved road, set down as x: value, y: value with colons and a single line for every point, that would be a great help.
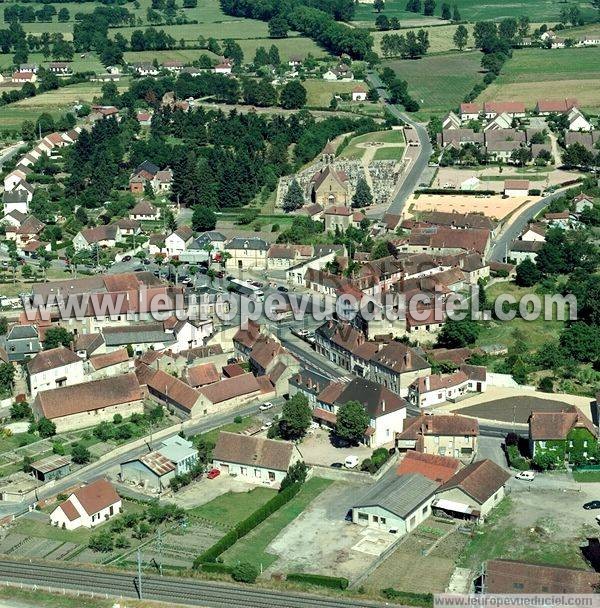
x: 8, y: 153
x: 504, y: 241
x: 167, y: 589
x: 412, y: 179
x: 101, y: 468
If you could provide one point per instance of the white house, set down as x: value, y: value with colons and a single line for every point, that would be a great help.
x: 246, y: 252
x: 359, y: 93
x: 516, y: 187
x: 188, y: 335
x: 534, y: 232
x: 16, y: 200
x: 102, y: 236
x: 144, y: 211
x: 577, y: 121
x: 223, y: 67
x: 89, y: 506
x: 398, y: 503
x: 254, y: 459
x: 177, y: 242
x: 386, y: 410
x: 54, y: 368
x: 13, y: 178
x: 439, y: 388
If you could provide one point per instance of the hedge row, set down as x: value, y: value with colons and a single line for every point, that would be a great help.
x: 332, y: 582
x: 246, y: 525
x: 461, y: 192
x: 412, y: 599
x: 515, y: 460
x: 217, y: 567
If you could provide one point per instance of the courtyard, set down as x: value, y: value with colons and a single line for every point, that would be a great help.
x: 317, y: 448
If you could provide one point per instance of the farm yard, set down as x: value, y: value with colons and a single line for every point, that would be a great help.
x: 534, y: 74
x: 448, y: 79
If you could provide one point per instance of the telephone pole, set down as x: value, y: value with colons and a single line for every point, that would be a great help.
x: 139, y: 565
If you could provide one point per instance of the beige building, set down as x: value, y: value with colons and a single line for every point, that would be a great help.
x: 440, y: 434
x: 245, y: 253
x: 473, y: 492
x: 54, y: 368
x: 254, y: 459
x: 330, y: 187
x: 87, y: 404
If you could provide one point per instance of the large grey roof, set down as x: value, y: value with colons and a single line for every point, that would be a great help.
x: 399, y: 495
x: 136, y: 334
x: 252, y: 242
x: 22, y: 332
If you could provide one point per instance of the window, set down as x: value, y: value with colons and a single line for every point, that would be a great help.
x: 424, y: 510
x: 243, y: 470
x: 517, y: 585
x: 363, y: 516
x: 256, y: 472
x: 382, y: 521
x: 375, y: 519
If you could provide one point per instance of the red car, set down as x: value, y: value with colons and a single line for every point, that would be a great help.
x: 213, y: 473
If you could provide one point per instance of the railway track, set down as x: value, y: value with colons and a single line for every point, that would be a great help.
x: 169, y: 589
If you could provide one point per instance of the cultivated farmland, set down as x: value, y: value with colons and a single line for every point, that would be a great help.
x: 541, y: 73
x: 439, y: 82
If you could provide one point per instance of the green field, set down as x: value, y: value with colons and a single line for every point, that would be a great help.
x: 55, y: 102
x: 439, y: 82
x: 89, y: 63
x: 533, y: 74
x: 472, y: 10
x: 252, y: 547
x: 320, y: 92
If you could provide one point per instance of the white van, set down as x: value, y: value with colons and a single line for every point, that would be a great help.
x: 351, y: 462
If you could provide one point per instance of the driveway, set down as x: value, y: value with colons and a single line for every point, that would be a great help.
x: 317, y: 448
x: 491, y: 448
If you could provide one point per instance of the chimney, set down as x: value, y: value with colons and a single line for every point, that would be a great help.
x: 383, y: 405
x: 427, y: 385
x: 407, y: 359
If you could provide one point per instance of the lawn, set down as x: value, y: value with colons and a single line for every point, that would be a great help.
x: 43, y: 599
x: 473, y: 10
x: 228, y: 509
x: 253, y: 547
x: 586, y: 476
x: 232, y: 427
x: 185, y: 55
x: 88, y: 63
x: 535, y: 333
x: 440, y: 38
x: 533, y: 74
x: 43, y: 529
x: 287, y: 47
x: 354, y: 152
x: 448, y: 78
x: 320, y: 92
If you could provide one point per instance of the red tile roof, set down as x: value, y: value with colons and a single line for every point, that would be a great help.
x: 436, y: 468
x: 480, y: 480
x: 89, y: 396
x: 51, y: 359
x: 253, y: 451
x: 96, y: 496
x: 200, y: 375
x: 230, y: 388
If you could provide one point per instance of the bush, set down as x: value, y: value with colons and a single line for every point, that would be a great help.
x: 332, y: 582
x: 216, y: 567
x: 412, y: 599
x: 238, y: 420
x: 515, y: 460
x: 244, y: 573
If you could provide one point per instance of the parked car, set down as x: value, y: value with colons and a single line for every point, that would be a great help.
x: 267, y: 405
x: 336, y: 465
x: 283, y: 289
x: 593, y: 504
x: 525, y: 475
x: 351, y: 462
x: 126, y: 258
x: 213, y: 473
x: 266, y: 425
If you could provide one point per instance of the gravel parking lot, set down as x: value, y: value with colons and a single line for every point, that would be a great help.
x: 318, y: 449
x: 324, y: 542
